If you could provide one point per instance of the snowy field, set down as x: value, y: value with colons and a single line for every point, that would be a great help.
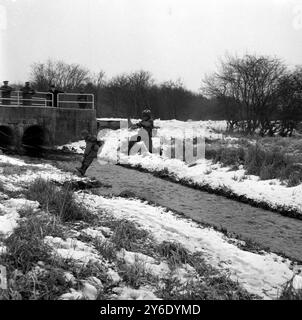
x: 204, y: 173
x: 262, y: 273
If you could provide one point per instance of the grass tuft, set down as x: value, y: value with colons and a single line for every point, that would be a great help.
x: 106, y: 249
x: 25, y: 245
x: 128, y: 236
x: 135, y: 274
x: 59, y: 201
x: 174, y: 252
x: 290, y: 293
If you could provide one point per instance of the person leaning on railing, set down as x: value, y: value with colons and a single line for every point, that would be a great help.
x: 52, y: 97
x: 82, y: 100
x: 27, y: 94
x: 6, y: 91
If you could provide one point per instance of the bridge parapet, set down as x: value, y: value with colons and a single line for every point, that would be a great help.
x: 47, y: 126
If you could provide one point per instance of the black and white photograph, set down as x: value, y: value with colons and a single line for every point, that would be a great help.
x: 150, y: 150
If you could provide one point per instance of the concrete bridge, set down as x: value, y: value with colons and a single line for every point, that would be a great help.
x: 23, y: 127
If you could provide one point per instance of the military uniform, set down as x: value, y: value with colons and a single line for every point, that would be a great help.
x: 52, y: 97
x: 90, y: 153
x: 27, y: 93
x: 6, y: 93
x: 147, y: 124
x: 82, y: 101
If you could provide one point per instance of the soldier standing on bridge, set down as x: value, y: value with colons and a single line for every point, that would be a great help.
x: 27, y: 93
x: 82, y: 100
x: 91, y: 151
x: 52, y: 97
x: 6, y: 93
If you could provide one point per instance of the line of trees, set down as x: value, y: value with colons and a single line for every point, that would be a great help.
x: 253, y: 93
x: 126, y: 95
x: 258, y: 94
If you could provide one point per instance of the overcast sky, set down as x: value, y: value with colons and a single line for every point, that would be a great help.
x: 170, y: 38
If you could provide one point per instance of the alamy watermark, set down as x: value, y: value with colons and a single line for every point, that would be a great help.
x: 187, y: 144
x: 3, y: 278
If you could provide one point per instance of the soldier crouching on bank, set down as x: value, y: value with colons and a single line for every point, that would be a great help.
x: 91, y: 151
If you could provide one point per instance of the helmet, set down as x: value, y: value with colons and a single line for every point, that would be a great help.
x: 146, y: 112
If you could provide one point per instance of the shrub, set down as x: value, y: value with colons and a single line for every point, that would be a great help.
x: 293, y: 174
x: 294, y: 180
x: 254, y: 159
x: 267, y: 172
x: 229, y: 156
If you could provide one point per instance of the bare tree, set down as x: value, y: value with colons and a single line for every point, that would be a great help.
x: 98, y: 79
x: 252, y: 84
x: 65, y: 76
x: 140, y: 83
x: 175, y: 97
x: 290, y: 101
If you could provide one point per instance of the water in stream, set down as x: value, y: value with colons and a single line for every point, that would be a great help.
x: 268, y: 229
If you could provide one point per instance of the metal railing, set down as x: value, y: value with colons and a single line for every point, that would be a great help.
x: 76, y: 100
x: 16, y: 98
x: 49, y: 99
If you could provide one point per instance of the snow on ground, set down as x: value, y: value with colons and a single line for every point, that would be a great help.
x: 21, y: 173
x: 90, y: 290
x: 262, y: 274
x: 161, y: 269
x: 73, y: 249
x: 15, y: 174
x: 77, y: 147
x: 82, y: 254
x: 203, y: 172
x: 9, y: 214
x: 209, y: 128
x: 128, y: 293
x: 165, y: 129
